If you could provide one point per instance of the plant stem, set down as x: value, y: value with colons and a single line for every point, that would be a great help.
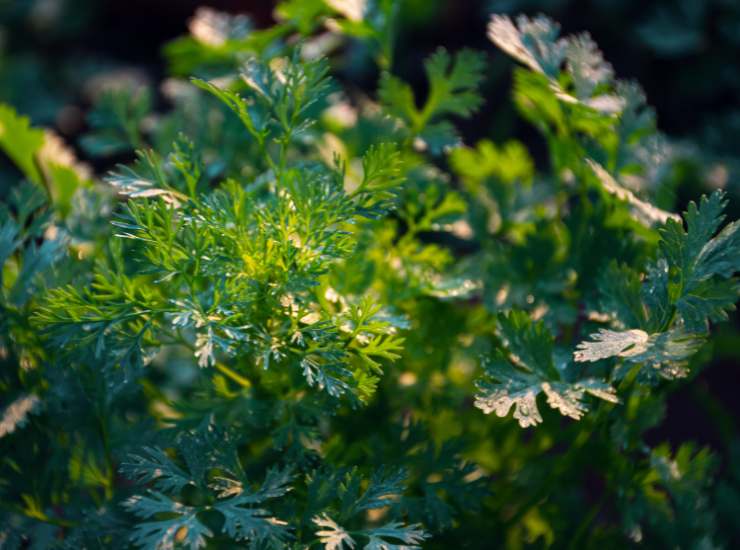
x: 239, y: 379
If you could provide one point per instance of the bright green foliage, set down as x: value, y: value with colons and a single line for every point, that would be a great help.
x: 42, y: 158
x: 20, y: 142
x: 237, y: 271
x: 510, y: 163
x: 277, y: 325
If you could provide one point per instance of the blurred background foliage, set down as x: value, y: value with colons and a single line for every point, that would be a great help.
x: 683, y: 52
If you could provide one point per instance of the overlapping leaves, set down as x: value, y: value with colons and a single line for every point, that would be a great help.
x: 516, y: 375
x: 691, y: 282
x: 214, y: 471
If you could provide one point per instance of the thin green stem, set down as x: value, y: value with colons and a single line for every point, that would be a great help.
x: 239, y: 379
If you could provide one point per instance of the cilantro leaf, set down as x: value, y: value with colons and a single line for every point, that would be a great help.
x: 152, y: 465
x: 453, y: 83
x: 700, y: 265
x: 184, y: 527
x: 516, y: 376
x: 411, y: 536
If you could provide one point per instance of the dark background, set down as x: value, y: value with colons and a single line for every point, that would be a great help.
x: 684, y: 53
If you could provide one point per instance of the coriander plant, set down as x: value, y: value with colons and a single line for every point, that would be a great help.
x: 286, y: 321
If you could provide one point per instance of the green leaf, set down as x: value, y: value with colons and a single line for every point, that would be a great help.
x: 708, y: 301
x: 329, y: 377
x: 253, y: 120
x: 509, y: 387
x: 700, y: 264
x: 392, y: 536
x: 536, y: 43
x: 382, y: 167
x: 152, y: 465
x: 289, y: 91
x: 395, y: 536
x: 437, y: 137
x: 306, y: 15
x: 253, y: 524
x: 21, y: 142
x: 530, y: 344
x: 517, y: 377
x: 280, y: 99
x: 276, y: 484
x: 673, y: 494
x: 536, y: 102
x: 187, y: 161
x: 183, y: 527
x: 682, y: 249
x: 668, y: 352
x: 509, y: 163
x: 453, y: 83
x: 397, y: 97
x: 209, y: 455
x: 146, y: 178
x: 65, y: 181
x: 664, y: 353
x: 384, y: 487
x: 610, y: 343
x: 621, y: 297
x: 690, y: 283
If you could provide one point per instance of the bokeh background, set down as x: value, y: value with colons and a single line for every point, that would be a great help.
x: 685, y: 53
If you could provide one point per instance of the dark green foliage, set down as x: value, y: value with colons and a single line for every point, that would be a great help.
x: 453, y: 86
x: 277, y: 326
